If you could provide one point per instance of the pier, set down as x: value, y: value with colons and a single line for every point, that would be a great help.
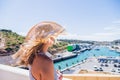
x: 64, y: 57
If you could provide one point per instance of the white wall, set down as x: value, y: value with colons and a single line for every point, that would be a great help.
x: 13, y: 73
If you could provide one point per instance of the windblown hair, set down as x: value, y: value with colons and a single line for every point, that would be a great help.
x: 34, y: 41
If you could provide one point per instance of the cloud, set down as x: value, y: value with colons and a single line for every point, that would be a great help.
x: 118, y: 21
x: 110, y: 28
x: 22, y: 33
x: 113, y: 28
x: 106, y: 36
x: 68, y: 36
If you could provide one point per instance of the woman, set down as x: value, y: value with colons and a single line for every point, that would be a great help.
x: 33, y: 51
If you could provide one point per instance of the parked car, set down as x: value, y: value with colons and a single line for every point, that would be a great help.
x: 118, y: 70
x: 115, y: 65
x: 100, y: 69
x: 96, y: 68
x: 113, y: 70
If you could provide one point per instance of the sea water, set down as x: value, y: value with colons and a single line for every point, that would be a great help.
x: 102, y: 51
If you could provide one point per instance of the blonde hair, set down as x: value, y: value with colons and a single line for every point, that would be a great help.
x: 34, y: 41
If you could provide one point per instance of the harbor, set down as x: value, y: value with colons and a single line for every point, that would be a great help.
x: 90, y: 57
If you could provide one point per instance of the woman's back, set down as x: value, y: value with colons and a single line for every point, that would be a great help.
x: 42, y: 68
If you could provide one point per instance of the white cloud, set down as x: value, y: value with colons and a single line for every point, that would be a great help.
x: 113, y: 28
x: 105, y: 34
x: 112, y: 32
x: 69, y: 36
x: 110, y: 28
x: 96, y: 36
x: 108, y: 34
x: 118, y: 21
x: 22, y: 33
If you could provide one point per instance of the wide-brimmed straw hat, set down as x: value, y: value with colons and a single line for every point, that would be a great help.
x: 39, y: 33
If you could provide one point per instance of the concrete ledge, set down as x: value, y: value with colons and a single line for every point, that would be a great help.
x: 14, y: 73
x: 92, y: 77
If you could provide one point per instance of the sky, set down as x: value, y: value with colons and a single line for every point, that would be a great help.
x: 83, y: 19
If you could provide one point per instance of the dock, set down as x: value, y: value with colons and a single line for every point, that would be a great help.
x: 64, y: 57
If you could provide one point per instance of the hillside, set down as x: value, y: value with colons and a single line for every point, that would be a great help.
x: 9, y: 42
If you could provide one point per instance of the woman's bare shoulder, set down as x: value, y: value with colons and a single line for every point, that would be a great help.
x: 44, y: 57
x: 42, y: 60
x: 43, y: 65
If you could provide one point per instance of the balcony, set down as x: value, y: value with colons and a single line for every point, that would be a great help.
x: 14, y: 73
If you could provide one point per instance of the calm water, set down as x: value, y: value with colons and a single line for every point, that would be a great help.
x: 103, y: 51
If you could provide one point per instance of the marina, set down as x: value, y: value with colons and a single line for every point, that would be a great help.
x: 81, y: 58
